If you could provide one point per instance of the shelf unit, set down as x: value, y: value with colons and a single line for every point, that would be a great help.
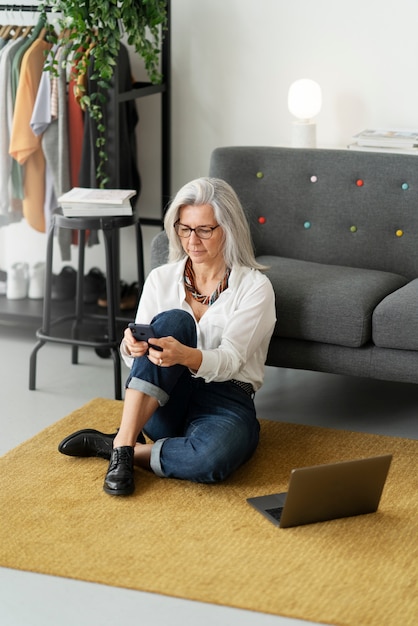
x: 31, y: 310
x: 146, y: 89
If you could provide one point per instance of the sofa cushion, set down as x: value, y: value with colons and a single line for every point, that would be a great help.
x: 327, y: 303
x: 395, y: 319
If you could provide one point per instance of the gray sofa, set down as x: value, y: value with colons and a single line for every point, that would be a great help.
x: 339, y: 232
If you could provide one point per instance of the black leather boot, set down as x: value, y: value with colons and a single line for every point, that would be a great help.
x: 90, y: 442
x: 119, y: 479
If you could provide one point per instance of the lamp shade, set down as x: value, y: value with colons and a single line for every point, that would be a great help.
x: 304, y: 99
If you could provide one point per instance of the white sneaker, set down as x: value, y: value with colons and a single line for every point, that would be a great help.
x: 37, y: 281
x: 17, y: 281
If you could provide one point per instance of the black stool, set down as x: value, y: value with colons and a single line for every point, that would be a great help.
x: 111, y: 230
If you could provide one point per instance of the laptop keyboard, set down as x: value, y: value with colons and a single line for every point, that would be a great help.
x: 276, y: 512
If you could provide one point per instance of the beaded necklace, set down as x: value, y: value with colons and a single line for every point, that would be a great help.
x: 189, y: 283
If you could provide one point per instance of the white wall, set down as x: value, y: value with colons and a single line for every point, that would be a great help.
x: 234, y: 60
x: 232, y: 64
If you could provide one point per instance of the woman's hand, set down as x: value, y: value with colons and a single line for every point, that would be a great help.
x: 172, y: 352
x: 134, y: 347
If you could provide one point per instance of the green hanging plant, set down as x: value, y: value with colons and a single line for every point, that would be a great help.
x: 97, y: 26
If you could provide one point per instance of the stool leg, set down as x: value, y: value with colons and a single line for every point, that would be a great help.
x: 46, y: 314
x: 79, y: 302
x: 139, y: 256
x: 112, y: 288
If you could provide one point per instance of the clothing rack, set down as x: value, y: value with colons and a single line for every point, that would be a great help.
x: 24, y: 310
x: 29, y: 8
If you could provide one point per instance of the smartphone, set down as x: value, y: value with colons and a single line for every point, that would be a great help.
x: 142, y: 332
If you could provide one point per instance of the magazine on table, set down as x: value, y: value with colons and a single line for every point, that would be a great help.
x: 86, y: 202
x: 384, y: 138
x: 390, y: 150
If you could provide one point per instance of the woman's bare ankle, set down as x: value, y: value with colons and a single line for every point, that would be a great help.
x: 142, y: 455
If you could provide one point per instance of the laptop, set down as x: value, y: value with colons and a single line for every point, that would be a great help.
x: 326, y: 492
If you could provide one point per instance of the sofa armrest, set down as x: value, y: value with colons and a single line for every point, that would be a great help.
x: 159, y: 250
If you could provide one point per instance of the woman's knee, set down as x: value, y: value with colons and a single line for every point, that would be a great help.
x: 178, y: 324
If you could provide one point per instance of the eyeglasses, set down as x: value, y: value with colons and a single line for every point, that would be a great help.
x: 203, y: 232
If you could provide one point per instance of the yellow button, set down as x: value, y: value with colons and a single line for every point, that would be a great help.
x: 399, y: 233
x: 353, y: 229
x: 260, y: 175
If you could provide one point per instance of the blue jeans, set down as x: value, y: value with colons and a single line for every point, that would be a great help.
x: 202, y: 431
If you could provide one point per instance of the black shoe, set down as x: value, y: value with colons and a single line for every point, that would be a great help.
x: 129, y: 300
x: 119, y: 479
x: 64, y: 284
x: 89, y: 442
x: 94, y: 284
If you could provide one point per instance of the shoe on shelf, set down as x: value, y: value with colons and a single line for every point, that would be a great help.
x: 90, y: 442
x: 3, y: 282
x: 119, y: 479
x: 102, y: 299
x: 64, y: 284
x: 37, y: 281
x: 130, y: 299
x: 94, y: 285
x: 17, y: 281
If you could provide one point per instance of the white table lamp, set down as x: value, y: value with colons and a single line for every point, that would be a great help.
x: 304, y: 102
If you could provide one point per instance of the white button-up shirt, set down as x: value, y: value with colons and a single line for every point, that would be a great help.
x: 235, y: 331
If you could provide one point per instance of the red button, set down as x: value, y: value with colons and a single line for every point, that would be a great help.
x: 359, y: 182
x: 261, y: 220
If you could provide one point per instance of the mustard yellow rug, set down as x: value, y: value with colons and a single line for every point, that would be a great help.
x: 206, y: 543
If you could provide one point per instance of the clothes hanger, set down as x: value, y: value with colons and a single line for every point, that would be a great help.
x: 27, y: 31
x: 17, y: 32
x: 7, y: 31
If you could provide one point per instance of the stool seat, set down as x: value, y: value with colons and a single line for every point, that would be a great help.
x: 101, y: 222
x: 110, y: 226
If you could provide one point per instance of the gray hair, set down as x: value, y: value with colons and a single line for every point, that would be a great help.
x: 229, y: 214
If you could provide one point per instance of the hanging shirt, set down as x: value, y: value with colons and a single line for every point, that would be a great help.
x: 9, y: 210
x: 49, y: 119
x: 40, y: 121
x: 17, y: 170
x: 25, y: 147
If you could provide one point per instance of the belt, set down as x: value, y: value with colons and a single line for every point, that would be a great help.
x: 247, y: 387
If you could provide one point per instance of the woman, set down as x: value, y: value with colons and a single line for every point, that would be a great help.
x: 191, y: 388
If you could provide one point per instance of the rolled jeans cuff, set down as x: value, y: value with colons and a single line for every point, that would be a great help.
x: 155, y: 460
x: 151, y: 390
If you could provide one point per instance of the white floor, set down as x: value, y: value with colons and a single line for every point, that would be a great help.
x: 304, y: 397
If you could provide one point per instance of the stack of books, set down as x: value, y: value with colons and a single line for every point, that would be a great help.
x: 399, y: 141
x: 83, y: 202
